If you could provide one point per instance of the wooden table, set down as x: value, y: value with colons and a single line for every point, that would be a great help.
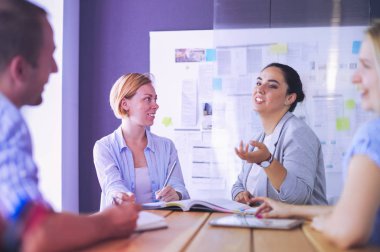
x: 190, y: 231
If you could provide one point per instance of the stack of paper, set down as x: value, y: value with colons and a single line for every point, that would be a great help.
x: 150, y: 221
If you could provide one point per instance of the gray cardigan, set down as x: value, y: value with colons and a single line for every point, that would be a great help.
x: 298, y: 149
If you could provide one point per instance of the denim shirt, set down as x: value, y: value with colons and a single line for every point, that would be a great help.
x: 367, y: 142
x: 115, y: 167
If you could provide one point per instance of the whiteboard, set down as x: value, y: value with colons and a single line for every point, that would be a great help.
x: 204, y: 81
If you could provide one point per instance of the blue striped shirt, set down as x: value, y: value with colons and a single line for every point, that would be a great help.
x: 116, y: 172
x: 18, y: 172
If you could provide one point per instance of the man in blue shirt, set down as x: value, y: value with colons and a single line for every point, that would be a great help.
x: 26, y: 62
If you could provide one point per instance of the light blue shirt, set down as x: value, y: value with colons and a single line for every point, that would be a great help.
x: 367, y: 142
x: 115, y: 167
x: 298, y: 149
x: 18, y: 172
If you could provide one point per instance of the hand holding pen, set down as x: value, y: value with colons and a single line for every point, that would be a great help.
x: 167, y: 193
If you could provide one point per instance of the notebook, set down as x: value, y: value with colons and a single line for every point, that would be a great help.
x: 210, y: 205
x: 250, y: 221
x: 149, y: 221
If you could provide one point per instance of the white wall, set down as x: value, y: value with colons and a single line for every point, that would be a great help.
x: 53, y: 131
x: 70, y: 101
x: 207, y: 158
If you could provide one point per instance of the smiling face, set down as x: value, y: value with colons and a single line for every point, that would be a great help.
x: 38, y: 76
x: 367, y: 78
x: 270, y: 94
x: 142, y: 107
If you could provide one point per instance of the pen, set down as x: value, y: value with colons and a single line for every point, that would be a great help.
x: 170, y: 174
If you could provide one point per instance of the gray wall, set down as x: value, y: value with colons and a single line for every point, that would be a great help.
x: 114, y: 39
x: 293, y: 13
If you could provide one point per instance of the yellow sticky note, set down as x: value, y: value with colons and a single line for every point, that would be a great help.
x: 342, y: 123
x: 167, y: 121
x: 279, y: 48
x: 350, y: 104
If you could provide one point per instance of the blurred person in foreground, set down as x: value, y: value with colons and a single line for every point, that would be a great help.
x: 26, y: 62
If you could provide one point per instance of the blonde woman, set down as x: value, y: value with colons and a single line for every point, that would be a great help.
x: 132, y: 163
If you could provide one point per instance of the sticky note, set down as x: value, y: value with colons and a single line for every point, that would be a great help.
x: 342, y: 123
x: 217, y: 84
x: 167, y: 121
x: 356, y: 46
x: 279, y: 48
x: 350, y: 104
x: 210, y: 55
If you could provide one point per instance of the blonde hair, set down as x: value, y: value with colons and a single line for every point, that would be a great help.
x: 126, y: 87
x: 373, y: 33
x: 373, y: 36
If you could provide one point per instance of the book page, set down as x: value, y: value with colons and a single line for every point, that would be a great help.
x: 150, y: 221
x: 153, y: 205
x: 230, y: 205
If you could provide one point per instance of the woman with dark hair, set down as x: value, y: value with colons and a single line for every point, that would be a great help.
x: 285, y: 161
x: 355, y: 219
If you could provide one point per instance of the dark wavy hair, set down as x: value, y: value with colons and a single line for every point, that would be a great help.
x: 293, y: 80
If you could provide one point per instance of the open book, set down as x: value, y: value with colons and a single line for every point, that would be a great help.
x: 150, y: 221
x: 211, y: 205
x: 250, y: 221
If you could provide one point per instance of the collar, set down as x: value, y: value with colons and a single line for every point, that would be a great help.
x: 280, y: 125
x: 122, y: 145
x: 8, y: 102
x: 13, y: 112
x: 277, y: 131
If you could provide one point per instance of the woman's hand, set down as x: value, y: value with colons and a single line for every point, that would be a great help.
x: 259, y: 155
x: 319, y: 221
x: 167, y: 194
x: 123, y: 197
x: 270, y: 208
x: 243, y: 197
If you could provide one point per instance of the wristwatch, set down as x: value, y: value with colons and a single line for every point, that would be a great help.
x: 267, y: 163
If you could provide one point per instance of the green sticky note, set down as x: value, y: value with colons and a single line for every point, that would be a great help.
x: 342, y: 123
x: 350, y: 104
x: 167, y: 121
x: 279, y: 48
